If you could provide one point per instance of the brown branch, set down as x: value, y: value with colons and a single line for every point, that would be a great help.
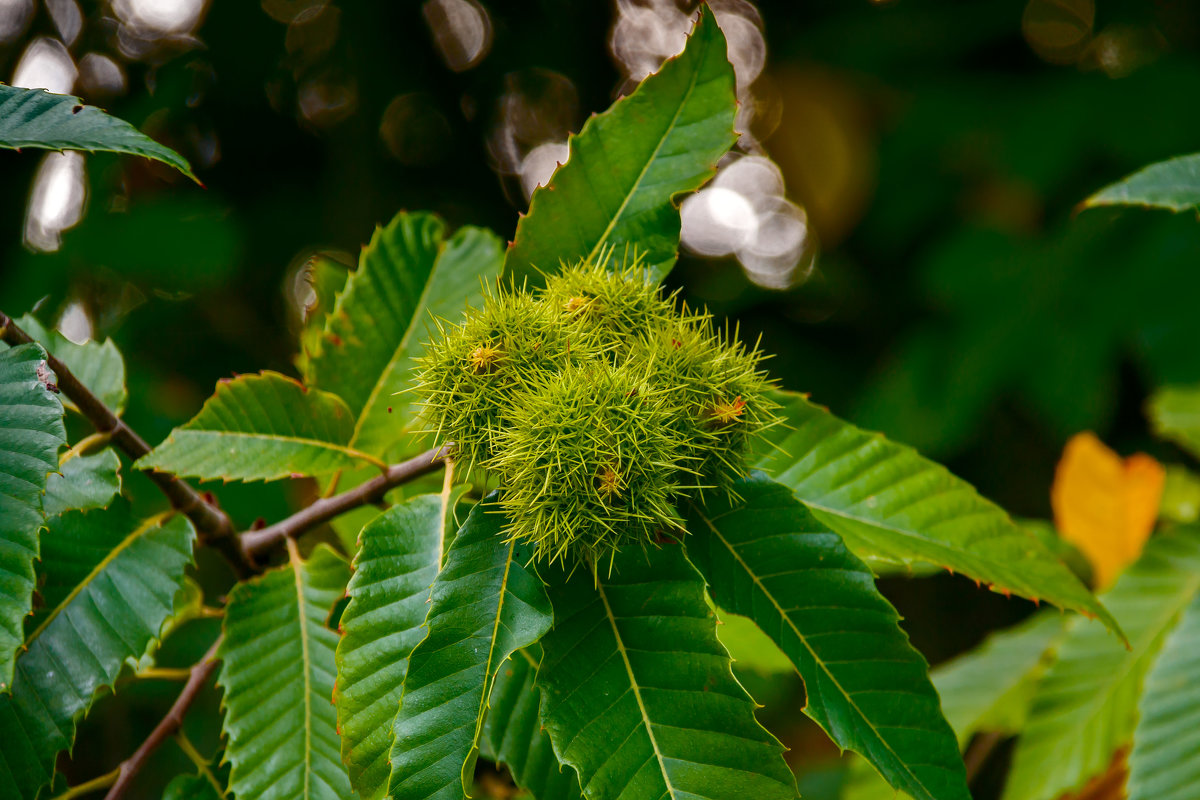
x: 200, y: 673
x: 212, y: 523
x: 980, y: 749
x: 325, y: 509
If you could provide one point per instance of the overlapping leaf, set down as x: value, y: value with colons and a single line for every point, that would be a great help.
x: 638, y: 694
x: 261, y: 427
x: 398, y: 557
x: 513, y: 734
x: 628, y: 163
x: 191, y: 787
x: 1164, y: 764
x: 98, y: 365
x: 408, y: 275
x: 1173, y: 184
x: 84, y: 482
x: 888, y: 502
x: 769, y: 558
x: 484, y: 605
x: 35, y: 118
x: 991, y: 688
x: 1086, y: 705
x: 31, y: 432
x: 278, y: 673
x: 79, y: 643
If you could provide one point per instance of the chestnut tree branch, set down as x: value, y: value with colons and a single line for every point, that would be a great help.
x: 325, y: 509
x: 213, y: 525
x: 201, y: 671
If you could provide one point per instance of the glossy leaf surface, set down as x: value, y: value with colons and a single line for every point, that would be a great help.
x: 638, y: 693
x: 769, y: 558
x: 628, y: 163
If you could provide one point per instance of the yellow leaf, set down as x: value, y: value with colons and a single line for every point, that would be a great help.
x: 1105, y: 505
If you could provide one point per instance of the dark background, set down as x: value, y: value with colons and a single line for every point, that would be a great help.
x: 960, y: 302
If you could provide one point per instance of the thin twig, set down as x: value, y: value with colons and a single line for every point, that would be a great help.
x: 326, y: 508
x: 980, y: 749
x: 94, y: 785
x: 212, y: 523
x: 201, y: 672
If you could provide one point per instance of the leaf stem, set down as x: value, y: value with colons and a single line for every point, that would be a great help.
x: 326, y: 508
x: 213, y: 524
x: 201, y: 671
x: 83, y: 445
x: 102, y: 782
x: 165, y: 673
x: 203, y: 765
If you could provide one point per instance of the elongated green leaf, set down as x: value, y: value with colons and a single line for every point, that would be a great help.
x: 261, y: 427
x: 887, y: 501
x: 1173, y: 184
x: 35, y: 118
x: 513, y: 734
x: 769, y: 558
x: 80, y: 643
x: 1163, y: 763
x: 31, y: 432
x: 398, y: 557
x: 484, y: 605
x: 278, y: 673
x: 85, y: 482
x: 1086, y: 706
x: 627, y: 164
x: 98, y: 365
x: 1175, y: 415
x: 408, y: 275
x: 638, y: 694
x: 991, y: 688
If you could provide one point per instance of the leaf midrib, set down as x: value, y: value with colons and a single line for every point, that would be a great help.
x: 636, y: 688
x: 488, y: 677
x: 402, y: 345
x: 695, y: 76
x: 277, y: 437
x: 109, y: 557
x: 306, y: 659
x: 812, y: 653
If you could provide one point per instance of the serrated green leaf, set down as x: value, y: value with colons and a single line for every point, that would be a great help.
x: 31, y: 432
x: 1086, y: 705
x: 408, y: 275
x: 628, y: 163
x: 1173, y: 184
x: 887, y: 501
x: 262, y: 428
x: 1163, y: 763
x: 1174, y: 414
x: 398, y: 557
x: 80, y: 644
x: 638, y: 694
x: 36, y: 118
x: 484, y: 605
x: 84, y: 482
x: 278, y: 673
x: 769, y: 558
x: 98, y: 365
x: 513, y: 734
x: 991, y: 687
